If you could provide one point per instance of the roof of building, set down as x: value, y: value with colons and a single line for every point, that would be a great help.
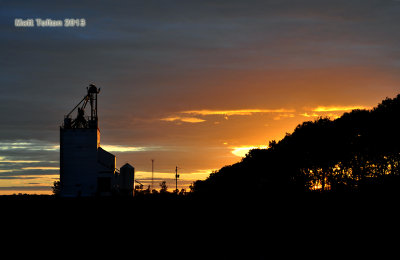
x: 128, y: 165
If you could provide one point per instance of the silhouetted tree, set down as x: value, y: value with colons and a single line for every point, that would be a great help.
x: 163, y: 187
x: 56, y: 188
x: 147, y: 191
x: 138, y: 188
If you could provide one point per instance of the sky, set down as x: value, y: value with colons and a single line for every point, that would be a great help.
x: 193, y: 84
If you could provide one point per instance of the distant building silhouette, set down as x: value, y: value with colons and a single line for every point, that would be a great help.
x: 86, y: 169
x: 126, y: 180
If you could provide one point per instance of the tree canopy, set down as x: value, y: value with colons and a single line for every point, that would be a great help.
x: 358, y: 151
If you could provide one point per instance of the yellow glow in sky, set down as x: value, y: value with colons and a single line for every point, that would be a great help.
x: 242, y: 151
x: 184, y: 119
x: 337, y: 108
x: 120, y: 148
x: 241, y: 112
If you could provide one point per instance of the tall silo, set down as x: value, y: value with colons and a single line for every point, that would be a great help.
x: 126, y: 180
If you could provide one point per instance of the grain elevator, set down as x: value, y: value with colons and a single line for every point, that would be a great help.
x: 86, y: 169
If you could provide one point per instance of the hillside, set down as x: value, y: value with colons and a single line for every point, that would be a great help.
x: 360, y: 151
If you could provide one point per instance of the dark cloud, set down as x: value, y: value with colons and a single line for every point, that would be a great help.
x: 140, y: 48
x: 26, y: 188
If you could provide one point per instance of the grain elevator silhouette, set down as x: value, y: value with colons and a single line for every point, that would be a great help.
x: 86, y: 169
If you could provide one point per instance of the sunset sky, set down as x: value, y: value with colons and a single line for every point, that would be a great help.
x: 193, y: 84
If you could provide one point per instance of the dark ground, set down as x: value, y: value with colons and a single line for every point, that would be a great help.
x: 308, y: 225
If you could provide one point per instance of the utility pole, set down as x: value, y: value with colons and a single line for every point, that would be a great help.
x: 152, y: 174
x: 176, y: 179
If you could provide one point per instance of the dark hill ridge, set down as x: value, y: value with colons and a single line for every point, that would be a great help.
x: 360, y: 151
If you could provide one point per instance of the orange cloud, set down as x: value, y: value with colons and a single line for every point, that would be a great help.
x: 337, y: 108
x: 240, y: 112
x: 281, y: 116
x: 183, y: 119
x: 123, y: 148
x: 309, y: 115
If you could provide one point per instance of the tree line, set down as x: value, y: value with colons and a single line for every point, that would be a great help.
x: 360, y: 151
x: 141, y: 191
